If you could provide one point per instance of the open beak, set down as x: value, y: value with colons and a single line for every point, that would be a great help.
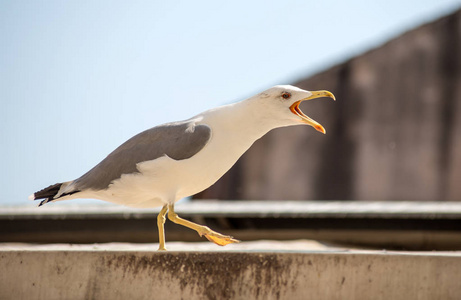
x: 305, y: 119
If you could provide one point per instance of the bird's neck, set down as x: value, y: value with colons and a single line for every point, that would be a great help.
x: 241, y: 118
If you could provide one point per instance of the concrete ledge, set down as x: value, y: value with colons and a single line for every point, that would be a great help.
x: 229, y: 275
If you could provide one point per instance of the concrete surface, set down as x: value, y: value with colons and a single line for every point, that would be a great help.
x: 261, y: 245
x: 100, y: 272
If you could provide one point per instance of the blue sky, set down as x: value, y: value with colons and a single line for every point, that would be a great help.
x: 78, y: 78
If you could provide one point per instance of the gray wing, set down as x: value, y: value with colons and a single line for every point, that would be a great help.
x: 180, y: 140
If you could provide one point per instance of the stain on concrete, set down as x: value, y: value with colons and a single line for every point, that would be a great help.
x: 242, y: 272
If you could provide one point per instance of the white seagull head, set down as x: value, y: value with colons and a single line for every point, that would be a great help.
x: 281, y: 104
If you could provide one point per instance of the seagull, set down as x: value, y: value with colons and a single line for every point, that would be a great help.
x: 166, y: 163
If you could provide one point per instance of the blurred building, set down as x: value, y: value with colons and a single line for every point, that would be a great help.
x: 393, y: 134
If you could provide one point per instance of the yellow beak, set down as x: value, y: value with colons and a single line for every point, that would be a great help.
x: 297, y: 111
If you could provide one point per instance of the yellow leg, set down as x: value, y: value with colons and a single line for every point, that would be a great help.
x: 211, y: 235
x: 161, y: 230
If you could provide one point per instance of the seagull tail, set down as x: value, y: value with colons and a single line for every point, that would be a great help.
x: 49, y: 193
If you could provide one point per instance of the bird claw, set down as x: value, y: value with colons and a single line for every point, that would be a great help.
x: 219, y: 239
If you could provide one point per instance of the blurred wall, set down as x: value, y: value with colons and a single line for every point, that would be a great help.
x: 393, y: 134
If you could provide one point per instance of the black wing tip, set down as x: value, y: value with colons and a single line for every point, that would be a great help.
x: 51, y: 198
x: 48, y: 192
x: 44, y: 202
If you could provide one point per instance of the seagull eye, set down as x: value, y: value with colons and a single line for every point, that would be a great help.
x: 286, y: 95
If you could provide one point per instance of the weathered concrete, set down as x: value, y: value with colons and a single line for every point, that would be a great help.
x: 228, y: 275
